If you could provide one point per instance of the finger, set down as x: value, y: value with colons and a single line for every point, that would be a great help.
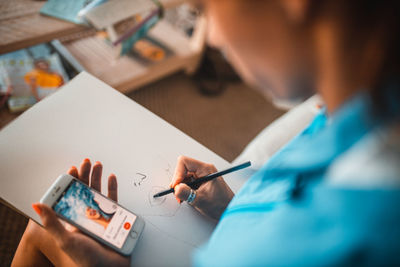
x: 178, y: 200
x: 182, y: 191
x: 191, y: 174
x: 183, y: 166
x: 205, y: 170
x: 113, y: 187
x: 51, y: 223
x: 190, y: 177
x: 70, y: 228
x: 187, y: 165
x: 73, y: 171
x: 95, y: 181
x: 84, y: 171
x: 180, y: 172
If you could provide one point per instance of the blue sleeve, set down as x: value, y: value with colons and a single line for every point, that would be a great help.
x: 329, y: 227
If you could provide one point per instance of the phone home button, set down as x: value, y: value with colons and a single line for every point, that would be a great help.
x: 133, y: 234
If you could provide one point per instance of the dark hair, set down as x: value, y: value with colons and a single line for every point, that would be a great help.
x: 381, y: 18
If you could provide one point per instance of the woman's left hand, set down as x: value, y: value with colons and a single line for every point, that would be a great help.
x: 83, y: 250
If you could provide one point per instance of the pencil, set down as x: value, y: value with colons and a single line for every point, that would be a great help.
x: 196, y: 183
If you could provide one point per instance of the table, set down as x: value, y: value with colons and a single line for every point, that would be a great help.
x: 21, y: 25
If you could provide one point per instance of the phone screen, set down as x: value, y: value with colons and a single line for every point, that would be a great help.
x: 96, y: 213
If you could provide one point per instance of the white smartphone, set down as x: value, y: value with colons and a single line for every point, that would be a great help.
x: 94, y: 214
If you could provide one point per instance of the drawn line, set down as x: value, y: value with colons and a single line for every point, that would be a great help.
x: 135, y: 183
x: 156, y: 201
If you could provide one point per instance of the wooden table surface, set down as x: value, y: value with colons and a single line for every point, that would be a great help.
x: 6, y: 117
x: 21, y: 25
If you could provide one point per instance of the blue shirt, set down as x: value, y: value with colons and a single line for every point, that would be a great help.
x: 288, y: 215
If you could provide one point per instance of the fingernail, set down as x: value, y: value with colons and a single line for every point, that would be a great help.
x: 36, y: 208
x: 97, y: 163
x: 86, y: 160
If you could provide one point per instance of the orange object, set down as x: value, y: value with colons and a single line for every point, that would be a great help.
x: 36, y: 208
x: 43, y: 79
x: 149, y: 51
x: 127, y: 226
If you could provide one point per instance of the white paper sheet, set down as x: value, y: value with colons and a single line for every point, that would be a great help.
x: 87, y: 118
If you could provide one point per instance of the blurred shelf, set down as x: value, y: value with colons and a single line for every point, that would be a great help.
x: 21, y: 25
x: 126, y: 73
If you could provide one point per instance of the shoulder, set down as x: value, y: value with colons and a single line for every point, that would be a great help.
x: 347, y: 219
x: 327, y: 226
x: 373, y: 162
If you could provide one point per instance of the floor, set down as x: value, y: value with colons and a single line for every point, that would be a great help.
x: 224, y: 123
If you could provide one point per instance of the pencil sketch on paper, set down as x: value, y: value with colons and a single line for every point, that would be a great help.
x: 165, y: 206
x: 158, y: 200
x: 138, y: 179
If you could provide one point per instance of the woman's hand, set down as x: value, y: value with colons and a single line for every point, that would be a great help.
x: 83, y: 250
x: 212, y: 197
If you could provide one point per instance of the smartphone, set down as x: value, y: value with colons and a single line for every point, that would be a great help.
x: 94, y: 214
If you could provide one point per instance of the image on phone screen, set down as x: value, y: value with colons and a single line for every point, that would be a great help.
x: 95, y: 213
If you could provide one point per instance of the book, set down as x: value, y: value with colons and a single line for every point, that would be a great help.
x: 5, y: 85
x: 112, y: 12
x: 183, y: 18
x: 146, y: 50
x: 29, y: 75
x: 126, y: 21
x: 66, y: 10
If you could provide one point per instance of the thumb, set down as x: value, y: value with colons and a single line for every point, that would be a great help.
x: 51, y: 222
x: 182, y: 191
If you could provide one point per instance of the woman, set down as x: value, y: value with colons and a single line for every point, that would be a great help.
x: 330, y: 196
x: 42, y: 80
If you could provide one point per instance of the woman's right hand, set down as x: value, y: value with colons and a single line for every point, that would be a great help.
x: 212, y: 197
